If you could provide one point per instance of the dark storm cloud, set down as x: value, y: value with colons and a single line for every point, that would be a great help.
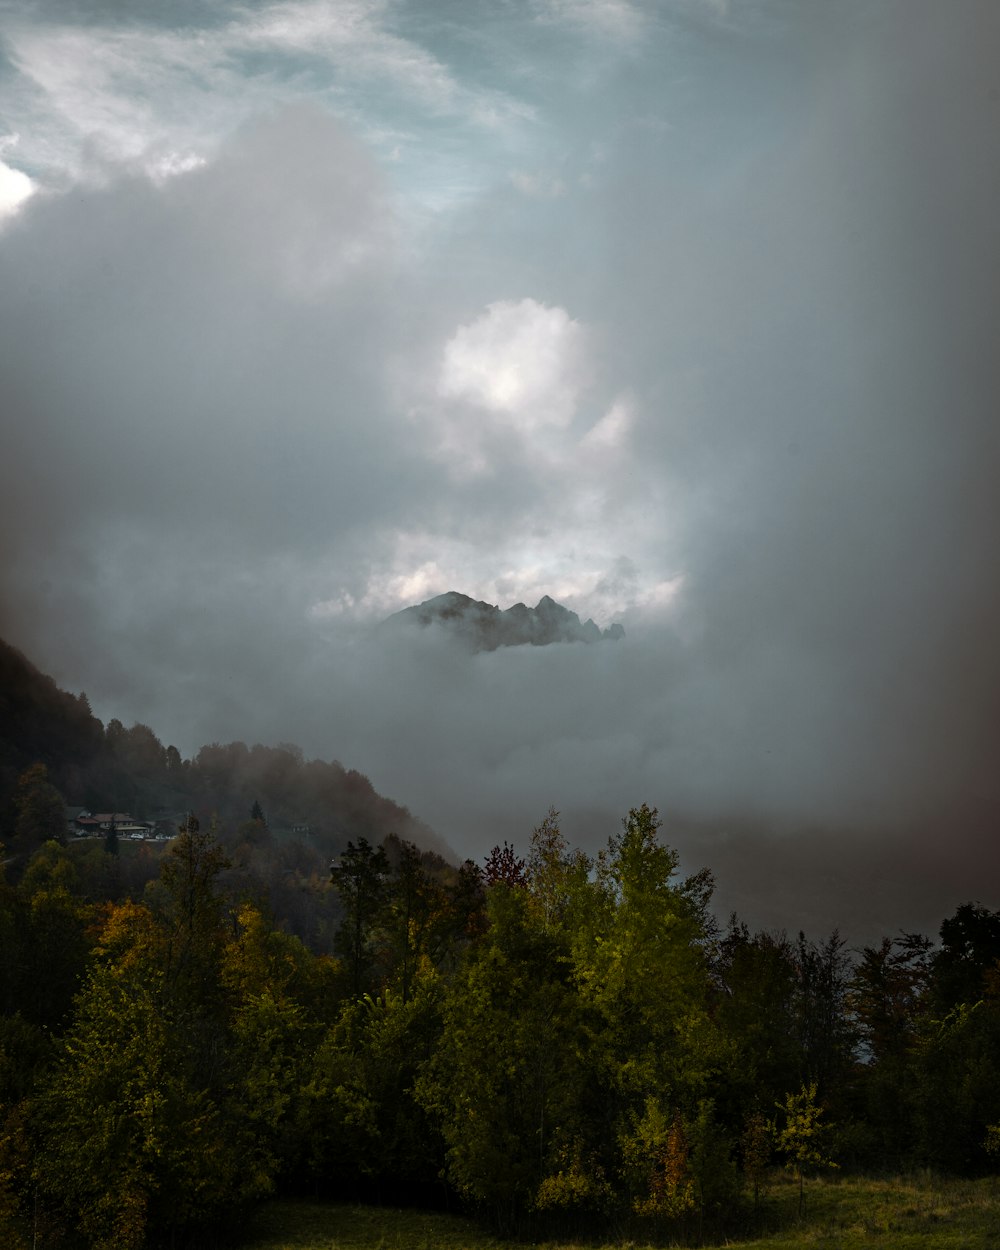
x: 201, y: 360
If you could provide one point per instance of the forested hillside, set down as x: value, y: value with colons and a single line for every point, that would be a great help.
x: 554, y: 1041
x: 56, y: 755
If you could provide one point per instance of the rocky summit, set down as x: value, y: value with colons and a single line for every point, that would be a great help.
x: 485, y: 627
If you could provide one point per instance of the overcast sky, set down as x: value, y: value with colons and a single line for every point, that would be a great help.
x: 684, y: 312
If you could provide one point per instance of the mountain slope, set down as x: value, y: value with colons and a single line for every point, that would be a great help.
x: 118, y: 769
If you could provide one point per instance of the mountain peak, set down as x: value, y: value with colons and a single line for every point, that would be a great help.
x: 484, y: 627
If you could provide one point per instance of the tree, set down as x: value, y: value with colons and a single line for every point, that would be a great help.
x: 755, y: 1148
x: 51, y: 947
x: 641, y: 962
x: 40, y: 808
x: 359, y: 877
x: 800, y: 1137
x: 955, y: 1075
x: 555, y: 875
x: 458, y: 918
x: 504, y: 867
x: 970, y: 947
x: 409, y: 906
x: 825, y: 1031
x: 115, y: 734
x: 141, y: 752
x: 754, y: 1003
x: 888, y: 993
x: 132, y: 1145
x: 506, y: 1082
x: 365, y: 1130
x: 191, y: 934
x: 257, y: 812
x: 889, y: 1000
x: 269, y: 977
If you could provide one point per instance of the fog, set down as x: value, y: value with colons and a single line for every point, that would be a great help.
x: 684, y: 314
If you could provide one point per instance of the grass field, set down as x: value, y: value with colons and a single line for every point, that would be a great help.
x: 914, y: 1213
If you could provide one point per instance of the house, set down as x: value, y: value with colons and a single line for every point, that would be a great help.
x: 86, y: 824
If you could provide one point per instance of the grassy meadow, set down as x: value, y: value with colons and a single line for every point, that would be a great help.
x: 908, y: 1213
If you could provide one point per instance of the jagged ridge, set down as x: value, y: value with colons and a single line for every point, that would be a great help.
x: 485, y: 627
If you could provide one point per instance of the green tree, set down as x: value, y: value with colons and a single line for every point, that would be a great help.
x: 458, y: 916
x: 955, y: 1075
x: 270, y: 979
x: 359, y: 877
x: 191, y: 909
x: 410, y: 901
x: 366, y: 1132
x: 800, y: 1136
x: 506, y: 1080
x: 641, y: 959
x: 48, y: 944
x: 557, y: 876
x: 130, y: 1144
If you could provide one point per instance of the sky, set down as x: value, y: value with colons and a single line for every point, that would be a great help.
x: 685, y: 313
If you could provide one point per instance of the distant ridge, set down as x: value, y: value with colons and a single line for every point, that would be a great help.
x: 484, y: 627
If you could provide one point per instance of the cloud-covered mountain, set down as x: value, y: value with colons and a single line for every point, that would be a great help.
x: 484, y: 626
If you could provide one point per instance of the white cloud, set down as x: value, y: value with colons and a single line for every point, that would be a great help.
x: 520, y: 360
x: 99, y: 95
x: 610, y: 433
x: 173, y: 163
x: 352, y: 36
x: 15, y: 185
x: 389, y: 590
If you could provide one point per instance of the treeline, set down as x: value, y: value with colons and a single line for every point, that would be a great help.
x: 553, y: 1041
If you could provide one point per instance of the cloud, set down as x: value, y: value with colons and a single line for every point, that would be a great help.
x: 521, y: 360
x: 90, y: 97
x: 610, y: 432
x: 739, y: 395
x: 15, y: 188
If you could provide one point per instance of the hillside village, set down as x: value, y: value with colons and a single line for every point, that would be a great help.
x: 81, y: 823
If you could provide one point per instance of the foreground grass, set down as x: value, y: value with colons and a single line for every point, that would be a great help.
x: 913, y: 1213
x: 301, y: 1225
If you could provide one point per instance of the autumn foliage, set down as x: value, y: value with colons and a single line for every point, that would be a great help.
x: 556, y: 1042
